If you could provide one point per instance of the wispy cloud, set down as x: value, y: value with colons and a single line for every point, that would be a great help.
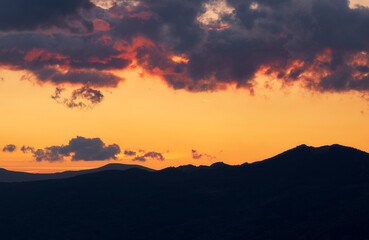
x: 150, y: 155
x: 196, y: 155
x: 82, y: 98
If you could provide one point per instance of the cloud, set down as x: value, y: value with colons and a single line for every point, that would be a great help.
x: 84, y: 98
x: 20, y: 15
x: 85, y: 77
x: 52, y: 59
x: 221, y: 42
x: 79, y: 149
x: 50, y: 154
x: 27, y: 149
x: 9, y: 148
x: 152, y: 155
x: 90, y: 149
x: 129, y: 153
x: 141, y: 159
x: 196, y: 155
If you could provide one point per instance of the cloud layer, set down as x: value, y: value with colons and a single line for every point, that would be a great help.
x: 195, y: 45
x: 20, y: 15
x: 84, y: 149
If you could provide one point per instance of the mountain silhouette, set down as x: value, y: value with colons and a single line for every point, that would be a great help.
x: 12, y: 176
x: 304, y: 193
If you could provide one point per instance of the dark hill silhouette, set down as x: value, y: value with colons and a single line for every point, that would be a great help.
x: 12, y: 176
x: 304, y: 193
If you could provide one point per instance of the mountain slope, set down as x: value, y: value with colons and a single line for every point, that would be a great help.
x: 12, y: 176
x: 304, y: 193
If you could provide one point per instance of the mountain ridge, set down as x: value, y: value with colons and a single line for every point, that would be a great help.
x: 299, y: 152
x: 14, y: 176
x: 303, y: 193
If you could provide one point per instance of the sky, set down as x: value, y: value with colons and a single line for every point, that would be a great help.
x: 174, y: 82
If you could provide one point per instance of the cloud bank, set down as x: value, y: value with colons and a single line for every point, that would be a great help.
x: 196, y: 45
x: 21, y: 15
x: 84, y: 149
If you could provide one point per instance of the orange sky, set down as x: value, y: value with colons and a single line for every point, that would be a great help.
x: 143, y: 113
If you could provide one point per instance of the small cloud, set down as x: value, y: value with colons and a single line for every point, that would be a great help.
x: 196, y: 155
x: 129, y: 153
x: 83, y: 98
x: 141, y: 159
x: 50, y: 154
x: 27, y: 149
x: 152, y: 155
x: 9, y: 148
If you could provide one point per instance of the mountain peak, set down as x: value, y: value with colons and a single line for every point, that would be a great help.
x: 330, y: 157
x: 219, y: 165
x: 302, y: 146
x: 11, y: 176
x: 333, y: 147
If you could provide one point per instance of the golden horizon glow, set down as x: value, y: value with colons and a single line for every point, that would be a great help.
x: 231, y: 125
x: 143, y: 113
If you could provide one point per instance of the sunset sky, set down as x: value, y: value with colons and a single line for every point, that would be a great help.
x: 165, y: 83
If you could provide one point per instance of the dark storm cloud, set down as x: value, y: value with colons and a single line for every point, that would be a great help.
x: 83, y: 98
x: 20, y: 15
x: 312, y: 41
x: 151, y: 155
x: 61, y: 59
x: 90, y: 77
x: 322, y: 44
x: 79, y: 149
x: 9, y: 148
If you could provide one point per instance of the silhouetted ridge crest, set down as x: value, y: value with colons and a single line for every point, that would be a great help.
x: 219, y: 165
x: 330, y: 153
x: 303, y: 193
x: 12, y: 176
